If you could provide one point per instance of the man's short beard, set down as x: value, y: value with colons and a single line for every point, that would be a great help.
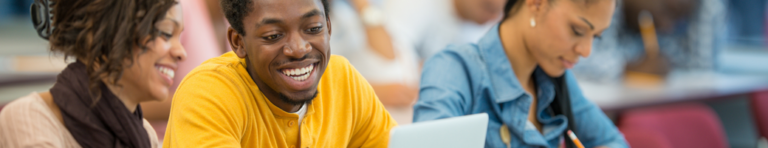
x: 297, y: 102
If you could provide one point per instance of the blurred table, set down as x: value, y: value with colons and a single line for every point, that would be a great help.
x: 26, y: 65
x: 741, y: 71
x: 611, y: 97
x: 22, y: 75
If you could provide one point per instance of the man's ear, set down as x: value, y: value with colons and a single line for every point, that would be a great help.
x: 236, y: 42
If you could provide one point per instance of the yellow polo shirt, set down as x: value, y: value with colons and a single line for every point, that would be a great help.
x: 219, y: 105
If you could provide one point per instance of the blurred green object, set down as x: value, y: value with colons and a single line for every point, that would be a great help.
x: 13, y: 8
x: 5, y: 11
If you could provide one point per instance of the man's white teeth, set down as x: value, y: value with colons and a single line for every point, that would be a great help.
x: 299, y: 74
x: 166, y: 71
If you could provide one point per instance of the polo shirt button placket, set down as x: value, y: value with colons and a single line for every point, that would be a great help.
x: 290, y: 123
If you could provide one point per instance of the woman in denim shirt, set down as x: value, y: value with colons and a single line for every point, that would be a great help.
x: 516, y: 72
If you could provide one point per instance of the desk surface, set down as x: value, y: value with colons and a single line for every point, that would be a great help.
x: 741, y: 72
x: 694, y: 88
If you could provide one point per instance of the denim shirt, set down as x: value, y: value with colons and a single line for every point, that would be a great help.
x: 478, y: 78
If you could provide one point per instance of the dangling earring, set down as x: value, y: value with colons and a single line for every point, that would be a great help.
x: 533, y: 22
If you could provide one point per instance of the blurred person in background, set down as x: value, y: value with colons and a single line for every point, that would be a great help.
x: 219, y: 23
x: 387, y: 39
x: 689, y: 33
x: 518, y: 74
x: 361, y: 35
x: 126, y: 53
x: 431, y: 25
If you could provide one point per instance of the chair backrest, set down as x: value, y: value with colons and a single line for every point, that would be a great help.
x: 691, y: 125
x: 759, y: 105
x: 641, y: 138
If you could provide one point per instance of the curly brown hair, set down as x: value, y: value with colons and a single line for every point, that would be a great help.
x: 104, y: 33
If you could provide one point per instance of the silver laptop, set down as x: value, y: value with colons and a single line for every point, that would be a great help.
x: 456, y: 132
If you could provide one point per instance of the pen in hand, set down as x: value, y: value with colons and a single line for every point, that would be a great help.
x: 575, y: 139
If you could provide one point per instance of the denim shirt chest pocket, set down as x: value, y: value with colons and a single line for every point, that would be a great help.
x: 525, y: 134
x: 513, y: 128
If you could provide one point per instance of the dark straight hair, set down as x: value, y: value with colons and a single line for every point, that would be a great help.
x: 561, y: 105
x: 508, y: 7
x: 511, y: 4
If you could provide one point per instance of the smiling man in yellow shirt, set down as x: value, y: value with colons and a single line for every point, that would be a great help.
x: 280, y: 87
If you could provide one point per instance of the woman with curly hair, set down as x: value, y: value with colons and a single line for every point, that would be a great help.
x: 125, y: 53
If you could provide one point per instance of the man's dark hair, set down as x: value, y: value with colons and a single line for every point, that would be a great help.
x: 236, y: 10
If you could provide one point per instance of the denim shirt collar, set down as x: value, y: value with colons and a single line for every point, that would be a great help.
x: 507, y: 88
x: 500, y: 71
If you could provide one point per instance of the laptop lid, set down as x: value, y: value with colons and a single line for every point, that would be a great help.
x: 456, y: 132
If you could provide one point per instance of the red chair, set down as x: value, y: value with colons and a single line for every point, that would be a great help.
x: 759, y: 105
x: 681, y: 126
x: 641, y: 138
